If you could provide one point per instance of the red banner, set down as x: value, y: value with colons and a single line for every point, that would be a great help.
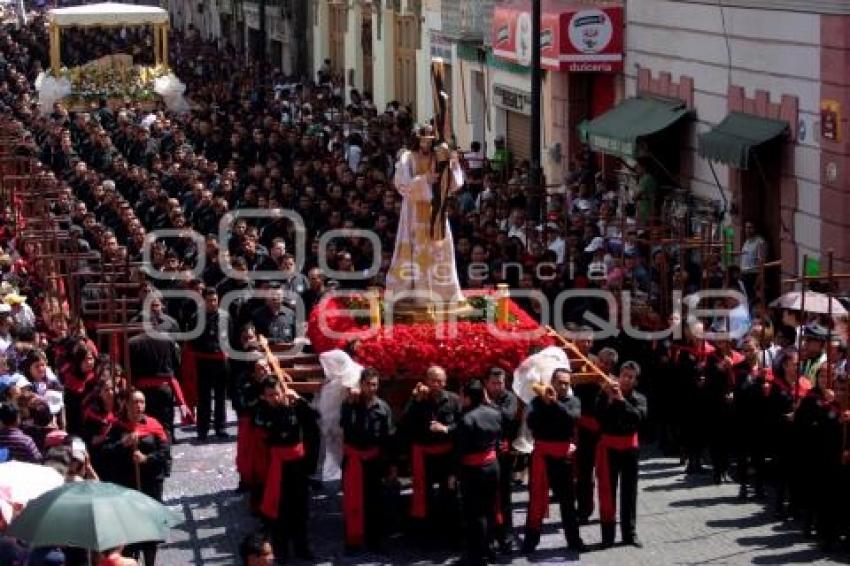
x: 573, y: 38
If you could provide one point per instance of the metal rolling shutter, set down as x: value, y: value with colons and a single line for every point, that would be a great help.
x: 518, y: 135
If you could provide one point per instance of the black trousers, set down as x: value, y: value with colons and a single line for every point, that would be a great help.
x: 562, y: 483
x: 146, y: 550
x: 443, y: 520
x: 751, y: 453
x: 293, y: 513
x: 719, y: 439
x: 623, y: 473
x: 159, y: 403
x: 480, y: 492
x: 586, y: 460
x: 212, y: 382
x: 506, y: 468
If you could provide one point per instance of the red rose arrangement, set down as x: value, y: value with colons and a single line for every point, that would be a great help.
x: 466, y: 348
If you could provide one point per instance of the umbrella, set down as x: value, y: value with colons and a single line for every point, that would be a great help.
x: 20, y: 482
x: 815, y: 302
x: 92, y: 515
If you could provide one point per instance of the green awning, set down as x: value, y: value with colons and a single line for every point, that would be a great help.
x: 732, y: 141
x: 618, y: 131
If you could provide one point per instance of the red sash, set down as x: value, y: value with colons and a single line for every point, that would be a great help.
x: 155, y: 381
x: 607, y: 501
x: 588, y: 422
x: 538, y: 485
x: 272, y: 495
x: 419, y: 507
x: 150, y: 427
x: 352, y: 492
x: 479, y: 459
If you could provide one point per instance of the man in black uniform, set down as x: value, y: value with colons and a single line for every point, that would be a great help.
x: 620, y: 413
x: 751, y: 420
x: 507, y: 404
x: 367, y: 428
x: 588, y: 431
x: 286, y: 496
x: 429, y: 423
x: 477, y: 441
x: 552, y: 419
x: 212, y: 368
x: 154, y: 362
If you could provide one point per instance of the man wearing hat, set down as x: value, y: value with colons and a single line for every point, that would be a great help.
x: 813, y: 355
x: 22, y: 314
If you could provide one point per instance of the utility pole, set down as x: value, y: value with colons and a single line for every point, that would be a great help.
x: 536, y: 171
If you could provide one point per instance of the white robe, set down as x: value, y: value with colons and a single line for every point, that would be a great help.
x: 421, y: 265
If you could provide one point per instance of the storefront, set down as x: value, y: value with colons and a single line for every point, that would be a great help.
x: 582, y: 58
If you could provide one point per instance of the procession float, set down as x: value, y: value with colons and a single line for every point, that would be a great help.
x: 115, y: 77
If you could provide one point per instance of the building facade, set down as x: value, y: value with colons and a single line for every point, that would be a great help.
x: 238, y: 22
x: 785, y: 61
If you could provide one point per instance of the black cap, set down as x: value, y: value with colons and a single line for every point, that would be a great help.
x: 815, y: 332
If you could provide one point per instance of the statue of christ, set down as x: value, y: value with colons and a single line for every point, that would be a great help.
x: 423, y: 273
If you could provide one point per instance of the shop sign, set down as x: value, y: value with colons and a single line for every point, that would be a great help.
x: 830, y: 120
x: 511, y: 99
x: 572, y: 38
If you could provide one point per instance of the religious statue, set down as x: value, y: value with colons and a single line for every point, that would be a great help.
x: 423, y: 275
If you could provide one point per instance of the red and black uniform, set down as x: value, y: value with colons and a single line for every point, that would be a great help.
x: 97, y: 424
x: 285, y: 500
x: 587, y: 437
x: 477, y: 440
x: 818, y: 446
x: 245, y: 401
x: 617, y: 458
x: 553, y: 426
x: 154, y: 444
x: 367, y: 435
x: 154, y: 362
x: 690, y: 363
x: 719, y: 384
x: 432, y: 455
x: 76, y: 385
x: 751, y: 426
x: 508, y: 406
x: 780, y: 409
x: 213, y: 374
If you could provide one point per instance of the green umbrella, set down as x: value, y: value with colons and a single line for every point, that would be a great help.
x: 92, y: 515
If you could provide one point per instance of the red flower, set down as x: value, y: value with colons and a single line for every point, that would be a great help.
x: 468, y: 350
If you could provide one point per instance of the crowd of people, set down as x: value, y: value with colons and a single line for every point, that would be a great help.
x: 756, y: 407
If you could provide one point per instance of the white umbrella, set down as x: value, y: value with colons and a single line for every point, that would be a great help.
x: 21, y: 482
x: 815, y: 302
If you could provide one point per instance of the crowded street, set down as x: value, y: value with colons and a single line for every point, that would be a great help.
x: 683, y: 522
x: 458, y: 282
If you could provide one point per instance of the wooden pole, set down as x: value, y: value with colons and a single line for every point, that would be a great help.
x: 800, y: 333
x: 157, y: 42
x: 165, y: 46
x: 55, y: 52
x: 829, y: 320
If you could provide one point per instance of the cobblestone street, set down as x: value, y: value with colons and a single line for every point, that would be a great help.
x: 679, y: 522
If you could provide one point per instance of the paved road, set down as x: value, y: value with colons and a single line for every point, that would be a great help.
x: 679, y: 522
